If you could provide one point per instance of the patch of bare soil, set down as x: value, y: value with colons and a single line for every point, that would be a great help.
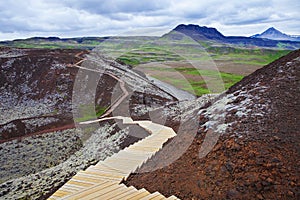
x: 236, y: 68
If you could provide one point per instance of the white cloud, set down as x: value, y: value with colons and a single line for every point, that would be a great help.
x: 69, y: 18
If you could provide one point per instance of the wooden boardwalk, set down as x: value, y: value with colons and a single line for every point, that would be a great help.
x: 102, y: 181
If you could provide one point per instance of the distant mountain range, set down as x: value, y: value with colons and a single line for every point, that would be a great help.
x: 200, y: 33
x: 271, y: 38
x: 274, y: 34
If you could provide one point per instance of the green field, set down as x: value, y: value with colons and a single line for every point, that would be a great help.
x: 197, y: 81
x: 233, y: 62
x: 239, y: 62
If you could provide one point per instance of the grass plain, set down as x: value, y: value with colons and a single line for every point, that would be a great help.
x: 184, y: 63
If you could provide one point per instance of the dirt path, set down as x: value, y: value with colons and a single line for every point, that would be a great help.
x: 122, y: 84
x: 61, y: 128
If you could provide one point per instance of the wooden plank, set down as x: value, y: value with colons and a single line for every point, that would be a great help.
x: 130, y: 190
x: 159, y: 197
x: 118, y: 165
x: 173, y: 198
x: 103, y: 176
x: 122, y: 159
x: 90, y: 190
x: 137, y: 195
x: 108, y: 172
x: 53, y: 198
x: 101, y: 171
x: 67, y: 190
x: 60, y: 193
x: 151, y: 196
x: 142, y: 193
x: 122, y: 189
x: 146, y: 149
x: 80, y: 183
x: 88, y: 179
x: 130, y: 155
x: 95, y: 192
x: 71, y: 188
x: 137, y: 151
x: 106, y: 167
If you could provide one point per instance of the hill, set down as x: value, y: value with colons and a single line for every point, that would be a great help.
x: 251, y: 153
x: 274, y: 34
x: 271, y: 38
x: 200, y: 33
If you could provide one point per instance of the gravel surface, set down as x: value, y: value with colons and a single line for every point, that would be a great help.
x: 177, y: 93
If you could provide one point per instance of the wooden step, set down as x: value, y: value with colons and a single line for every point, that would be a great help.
x: 91, y: 192
x: 128, y: 192
x: 173, y: 198
x: 121, y: 158
x: 101, y: 175
x: 103, y: 165
x: 137, y: 195
x: 142, y: 148
x: 61, y: 193
x: 113, y: 193
x: 101, y: 181
x: 143, y: 123
x: 89, y: 179
x: 126, y: 154
x: 155, y: 195
x: 72, y: 188
x: 79, y: 183
x: 154, y: 128
x: 101, y: 170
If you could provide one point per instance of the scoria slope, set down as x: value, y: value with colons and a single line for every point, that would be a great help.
x: 253, y: 133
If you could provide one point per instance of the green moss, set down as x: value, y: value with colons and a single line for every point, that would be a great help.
x: 88, y: 112
x: 246, y: 56
x: 128, y: 61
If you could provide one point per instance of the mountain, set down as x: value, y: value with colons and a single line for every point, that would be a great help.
x: 196, y: 32
x: 203, y: 33
x: 274, y: 34
x: 200, y: 32
x: 252, y: 133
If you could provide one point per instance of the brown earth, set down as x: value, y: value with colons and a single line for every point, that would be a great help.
x: 256, y: 158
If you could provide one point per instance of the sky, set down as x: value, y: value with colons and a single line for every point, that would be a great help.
x: 75, y: 18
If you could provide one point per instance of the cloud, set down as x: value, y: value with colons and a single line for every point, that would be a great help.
x: 117, y: 6
x: 69, y: 18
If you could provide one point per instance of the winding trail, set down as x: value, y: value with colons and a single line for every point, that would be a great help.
x: 115, y: 104
x: 103, y: 180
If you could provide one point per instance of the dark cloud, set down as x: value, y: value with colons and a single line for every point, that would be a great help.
x: 69, y: 18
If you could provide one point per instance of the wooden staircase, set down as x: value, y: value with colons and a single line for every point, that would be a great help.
x: 102, y: 181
